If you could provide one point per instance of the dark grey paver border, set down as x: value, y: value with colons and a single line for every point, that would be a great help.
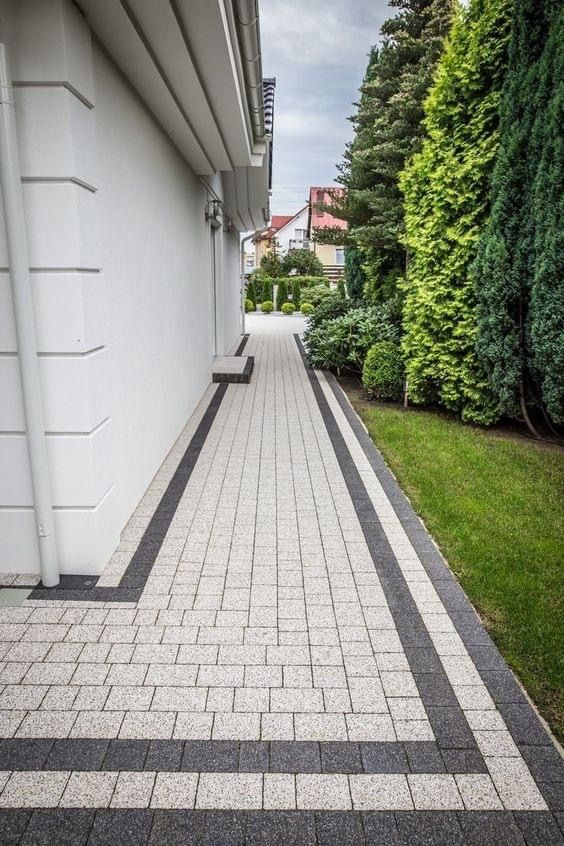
x: 450, y: 727
x: 132, y: 582
x: 108, y: 826
x: 245, y: 756
x: 526, y: 728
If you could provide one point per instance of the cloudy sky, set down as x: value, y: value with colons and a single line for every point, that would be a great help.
x: 317, y: 50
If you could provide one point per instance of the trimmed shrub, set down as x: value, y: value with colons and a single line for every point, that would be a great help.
x: 251, y: 295
x: 267, y: 306
x: 296, y: 293
x: 250, y: 306
x: 288, y: 308
x: 281, y: 294
x: 266, y: 283
x: 306, y: 309
x: 382, y: 374
x: 341, y: 287
x: 343, y: 342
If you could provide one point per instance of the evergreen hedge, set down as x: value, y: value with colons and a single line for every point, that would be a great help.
x: 446, y: 189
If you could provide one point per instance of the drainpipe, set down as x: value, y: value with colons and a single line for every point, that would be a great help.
x: 247, y: 20
x: 243, y: 298
x: 10, y: 179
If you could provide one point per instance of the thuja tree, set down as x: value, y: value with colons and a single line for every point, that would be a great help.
x: 354, y: 272
x: 281, y: 293
x: 388, y: 130
x: 520, y: 265
x: 446, y: 190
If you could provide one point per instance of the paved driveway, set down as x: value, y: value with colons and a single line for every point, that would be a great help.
x: 276, y: 653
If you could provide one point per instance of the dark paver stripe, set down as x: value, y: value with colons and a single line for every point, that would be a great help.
x: 274, y: 828
x: 288, y: 756
x: 137, y: 572
x: 523, y: 723
x: 447, y: 719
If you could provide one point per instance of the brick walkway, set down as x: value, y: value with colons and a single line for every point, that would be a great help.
x: 276, y: 653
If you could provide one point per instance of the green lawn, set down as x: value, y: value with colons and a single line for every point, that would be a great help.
x: 494, y: 505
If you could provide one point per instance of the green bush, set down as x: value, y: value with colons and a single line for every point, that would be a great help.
x: 343, y: 342
x: 328, y: 308
x: 270, y: 264
x: 318, y: 293
x: 310, y: 281
x: 382, y: 374
x: 250, y: 306
x: 303, y: 262
x: 251, y: 294
x: 306, y: 309
x: 296, y: 292
x: 267, y: 306
x: 287, y: 308
x: 281, y: 293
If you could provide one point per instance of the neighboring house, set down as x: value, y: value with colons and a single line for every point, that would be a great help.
x: 331, y: 256
x: 144, y: 152
x: 295, y: 232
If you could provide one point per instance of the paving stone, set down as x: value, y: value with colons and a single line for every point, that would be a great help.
x: 128, y: 755
x: 133, y: 790
x: 229, y: 790
x: 431, y: 827
x: 33, y: 789
x: 76, y: 754
x: 435, y: 792
x: 299, y: 757
x: 215, y: 756
x: 490, y: 828
x: 89, y: 790
x: 322, y: 791
x: 126, y: 827
x: 64, y: 826
x: 174, y: 790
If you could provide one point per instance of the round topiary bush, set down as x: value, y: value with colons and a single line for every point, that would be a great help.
x: 306, y: 308
x: 267, y: 306
x: 288, y: 308
x: 382, y: 374
x: 249, y: 306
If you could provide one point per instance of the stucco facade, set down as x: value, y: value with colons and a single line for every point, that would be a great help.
x: 134, y: 291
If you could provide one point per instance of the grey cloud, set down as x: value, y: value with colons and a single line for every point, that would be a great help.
x: 317, y: 50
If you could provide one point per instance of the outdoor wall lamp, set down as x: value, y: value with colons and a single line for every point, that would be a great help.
x: 213, y: 213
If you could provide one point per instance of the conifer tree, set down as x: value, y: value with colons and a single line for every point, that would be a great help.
x: 389, y: 129
x: 296, y: 293
x: 281, y: 293
x: 446, y: 188
x: 520, y: 265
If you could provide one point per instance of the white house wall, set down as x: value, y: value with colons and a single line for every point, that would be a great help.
x: 287, y: 233
x: 121, y: 275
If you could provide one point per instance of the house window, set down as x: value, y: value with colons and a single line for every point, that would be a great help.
x: 300, y: 234
x: 340, y: 255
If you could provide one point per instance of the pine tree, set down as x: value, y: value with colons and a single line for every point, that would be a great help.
x: 519, y: 269
x: 281, y: 293
x: 446, y: 188
x: 389, y: 129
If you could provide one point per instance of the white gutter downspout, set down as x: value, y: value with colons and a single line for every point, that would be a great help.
x: 10, y: 179
x: 243, y: 292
